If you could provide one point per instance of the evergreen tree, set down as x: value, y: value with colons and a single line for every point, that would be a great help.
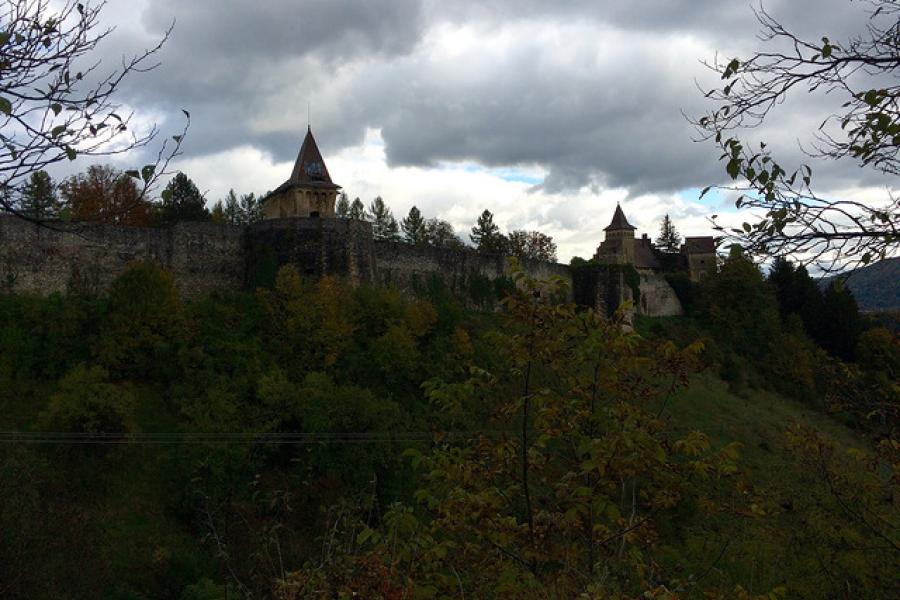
x: 486, y: 235
x: 182, y: 201
x: 384, y: 225
x: 841, y: 325
x: 251, y: 209
x: 669, y: 239
x: 357, y: 210
x: 38, y: 199
x: 232, y: 208
x: 413, y: 227
x: 342, y: 207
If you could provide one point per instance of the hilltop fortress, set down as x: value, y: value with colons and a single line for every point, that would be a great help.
x: 299, y: 228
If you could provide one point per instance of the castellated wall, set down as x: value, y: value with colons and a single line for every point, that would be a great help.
x: 203, y: 257
x: 408, y: 267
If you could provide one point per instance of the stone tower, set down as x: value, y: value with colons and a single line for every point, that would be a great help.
x: 618, y: 247
x: 309, y: 192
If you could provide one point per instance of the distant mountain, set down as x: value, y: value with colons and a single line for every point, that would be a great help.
x: 877, y: 286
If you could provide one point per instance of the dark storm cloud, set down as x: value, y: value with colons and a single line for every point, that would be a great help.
x: 591, y: 91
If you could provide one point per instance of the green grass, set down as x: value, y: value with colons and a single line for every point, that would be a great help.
x: 761, y: 552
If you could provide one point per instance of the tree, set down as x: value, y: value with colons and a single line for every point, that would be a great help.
x: 106, y: 195
x: 486, y: 235
x: 38, y: 199
x: 840, y: 325
x: 532, y: 245
x: 342, y: 207
x: 669, y: 239
x: 413, y: 227
x: 251, y: 209
x: 182, y: 201
x: 440, y: 234
x: 217, y: 214
x: 862, y: 73
x: 384, y: 224
x: 357, y: 211
x: 55, y: 102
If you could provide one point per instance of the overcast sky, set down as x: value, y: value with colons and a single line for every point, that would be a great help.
x: 546, y: 113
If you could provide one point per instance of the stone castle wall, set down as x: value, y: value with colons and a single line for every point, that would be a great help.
x: 205, y: 257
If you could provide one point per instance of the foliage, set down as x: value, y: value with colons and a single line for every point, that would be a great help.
x: 357, y: 211
x: 237, y: 211
x: 342, y: 206
x: 413, y: 227
x: 486, y: 235
x: 739, y: 307
x: 440, y: 234
x: 88, y: 403
x: 669, y: 239
x: 532, y: 245
x: 384, y: 225
x: 106, y: 195
x: 182, y: 201
x: 140, y: 338
x: 562, y: 493
x: 55, y: 101
x: 38, y: 199
x: 797, y: 221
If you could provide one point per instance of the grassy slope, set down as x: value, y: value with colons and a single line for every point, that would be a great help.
x: 758, y: 553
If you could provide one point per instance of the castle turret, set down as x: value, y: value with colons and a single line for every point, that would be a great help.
x: 618, y: 247
x: 309, y: 192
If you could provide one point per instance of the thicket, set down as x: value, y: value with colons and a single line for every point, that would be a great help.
x: 313, y: 437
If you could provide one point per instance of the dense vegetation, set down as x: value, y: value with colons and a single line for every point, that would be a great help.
x: 315, y: 440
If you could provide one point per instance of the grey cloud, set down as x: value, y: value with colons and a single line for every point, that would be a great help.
x: 246, y: 69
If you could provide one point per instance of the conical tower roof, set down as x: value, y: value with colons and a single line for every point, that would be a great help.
x: 309, y: 168
x: 619, y: 221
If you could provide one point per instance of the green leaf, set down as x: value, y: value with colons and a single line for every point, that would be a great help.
x: 147, y: 172
x: 4, y: 37
x: 133, y: 173
x: 57, y: 131
x: 56, y: 108
x: 703, y: 192
x: 733, y: 167
x: 746, y: 227
x: 70, y: 153
x: 871, y: 97
x: 5, y: 106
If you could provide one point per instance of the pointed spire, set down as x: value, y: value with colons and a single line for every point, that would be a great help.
x: 619, y: 222
x: 309, y: 168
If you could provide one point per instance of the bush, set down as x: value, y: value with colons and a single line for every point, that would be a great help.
x: 88, y: 403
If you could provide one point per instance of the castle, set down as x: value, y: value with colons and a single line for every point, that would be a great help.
x: 697, y: 256
x: 299, y: 228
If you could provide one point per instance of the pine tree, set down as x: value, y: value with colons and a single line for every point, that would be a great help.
x: 342, y: 208
x: 251, y: 209
x: 357, y: 211
x: 182, y: 201
x: 669, y: 240
x: 38, y: 199
x: 486, y: 235
x: 232, y: 209
x: 413, y: 227
x: 384, y: 225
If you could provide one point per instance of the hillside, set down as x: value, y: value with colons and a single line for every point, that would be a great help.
x: 877, y: 286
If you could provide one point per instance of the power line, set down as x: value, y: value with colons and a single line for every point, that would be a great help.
x: 347, y: 437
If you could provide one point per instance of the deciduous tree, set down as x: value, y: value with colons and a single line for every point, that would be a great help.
x: 106, y: 195
x: 862, y: 73
x: 56, y: 103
